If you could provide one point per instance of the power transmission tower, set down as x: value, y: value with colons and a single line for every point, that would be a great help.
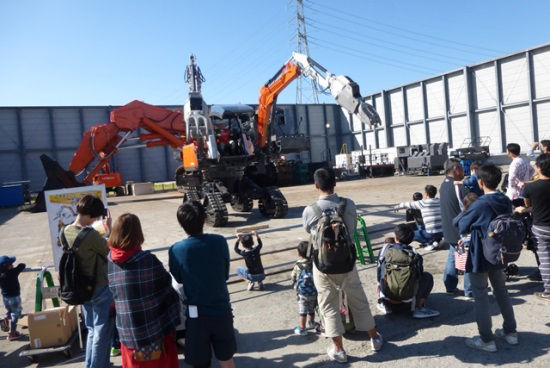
x: 303, y: 48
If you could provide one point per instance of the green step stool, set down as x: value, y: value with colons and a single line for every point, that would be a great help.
x: 43, y: 293
x: 361, y: 252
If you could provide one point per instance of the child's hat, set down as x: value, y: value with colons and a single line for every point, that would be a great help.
x: 5, y: 262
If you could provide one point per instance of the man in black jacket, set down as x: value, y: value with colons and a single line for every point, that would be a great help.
x: 451, y: 205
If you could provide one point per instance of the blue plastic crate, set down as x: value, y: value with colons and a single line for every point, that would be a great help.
x: 11, y: 195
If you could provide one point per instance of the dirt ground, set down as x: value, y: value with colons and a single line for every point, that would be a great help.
x: 264, y: 320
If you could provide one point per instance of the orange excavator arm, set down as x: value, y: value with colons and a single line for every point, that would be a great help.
x: 268, y: 97
x: 163, y: 127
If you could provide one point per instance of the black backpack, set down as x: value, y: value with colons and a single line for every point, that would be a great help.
x: 75, y: 288
x: 333, y: 250
x: 504, y: 241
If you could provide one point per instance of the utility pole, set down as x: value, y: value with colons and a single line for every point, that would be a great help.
x: 303, y: 48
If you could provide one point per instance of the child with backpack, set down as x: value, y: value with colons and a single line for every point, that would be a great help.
x: 402, y: 283
x: 254, y: 271
x: 482, y: 266
x: 306, y: 293
x: 11, y: 294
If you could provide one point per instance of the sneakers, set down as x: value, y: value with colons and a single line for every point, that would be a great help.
x: 260, y: 286
x: 115, y: 352
x: 337, y: 356
x: 377, y: 342
x: 382, y: 308
x: 14, y: 336
x: 544, y: 295
x: 423, y: 312
x: 433, y: 246
x: 300, y: 331
x: 5, y: 324
x: 250, y: 286
x: 477, y: 343
x: 511, y: 338
x: 311, y: 325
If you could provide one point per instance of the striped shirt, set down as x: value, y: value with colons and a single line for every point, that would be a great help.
x: 431, y: 213
x: 519, y: 172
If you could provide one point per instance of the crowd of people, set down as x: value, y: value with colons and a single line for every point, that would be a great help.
x: 134, y: 295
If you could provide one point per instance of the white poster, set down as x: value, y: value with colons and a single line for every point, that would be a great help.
x: 61, y: 207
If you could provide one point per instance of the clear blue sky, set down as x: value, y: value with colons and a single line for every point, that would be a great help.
x: 112, y: 52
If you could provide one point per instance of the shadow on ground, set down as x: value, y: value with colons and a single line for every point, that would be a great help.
x: 532, y: 345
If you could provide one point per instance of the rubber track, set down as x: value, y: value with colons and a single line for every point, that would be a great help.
x: 215, y: 203
x: 280, y: 203
x: 243, y: 207
x: 192, y: 195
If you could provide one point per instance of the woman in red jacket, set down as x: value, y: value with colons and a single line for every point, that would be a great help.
x: 147, y: 307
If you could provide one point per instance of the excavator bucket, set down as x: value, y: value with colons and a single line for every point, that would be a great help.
x: 56, y: 178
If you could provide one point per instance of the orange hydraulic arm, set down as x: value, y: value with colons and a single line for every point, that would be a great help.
x: 163, y: 127
x: 268, y: 97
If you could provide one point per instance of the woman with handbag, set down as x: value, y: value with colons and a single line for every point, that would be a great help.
x: 147, y: 307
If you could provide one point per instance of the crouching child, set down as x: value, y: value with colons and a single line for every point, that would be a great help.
x: 402, y: 283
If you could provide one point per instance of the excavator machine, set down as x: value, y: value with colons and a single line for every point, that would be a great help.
x: 226, y: 150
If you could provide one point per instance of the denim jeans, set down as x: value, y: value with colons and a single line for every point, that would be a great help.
x: 450, y: 276
x: 243, y: 272
x: 100, y: 328
x: 424, y: 237
x: 481, y: 304
x: 13, y: 308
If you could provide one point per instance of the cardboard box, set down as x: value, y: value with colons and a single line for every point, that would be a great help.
x: 73, y: 317
x: 52, y: 327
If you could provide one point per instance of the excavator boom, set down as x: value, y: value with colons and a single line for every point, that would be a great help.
x: 344, y: 90
x: 164, y: 127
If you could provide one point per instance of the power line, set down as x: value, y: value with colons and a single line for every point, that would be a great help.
x: 406, y: 30
x: 423, y: 54
x: 374, y: 58
x: 362, y: 24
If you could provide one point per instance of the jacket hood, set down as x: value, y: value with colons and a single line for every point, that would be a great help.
x: 498, y: 201
x: 122, y: 256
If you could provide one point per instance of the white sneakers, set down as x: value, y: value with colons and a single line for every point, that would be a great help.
x: 341, y: 356
x: 382, y: 308
x: 511, y: 338
x: 377, y: 342
x: 337, y: 356
x: 433, y: 246
x: 423, y: 312
x: 477, y: 343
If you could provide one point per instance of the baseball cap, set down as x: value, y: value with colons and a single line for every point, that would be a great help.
x: 5, y: 261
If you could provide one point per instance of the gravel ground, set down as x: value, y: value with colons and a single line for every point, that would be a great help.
x: 264, y: 320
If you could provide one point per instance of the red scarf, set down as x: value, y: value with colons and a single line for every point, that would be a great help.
x: 122, y: 255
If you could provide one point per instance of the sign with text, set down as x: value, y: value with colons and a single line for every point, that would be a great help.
x: 61, y: 208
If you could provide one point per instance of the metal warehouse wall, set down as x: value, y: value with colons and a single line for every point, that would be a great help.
x: 507, y: 99
x: 28, y: 132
